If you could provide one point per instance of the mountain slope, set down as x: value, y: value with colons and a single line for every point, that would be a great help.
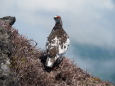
x: 26, y: 61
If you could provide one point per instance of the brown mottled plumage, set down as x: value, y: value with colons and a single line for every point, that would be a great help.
x: 59, y: 32
x: 58, y: 42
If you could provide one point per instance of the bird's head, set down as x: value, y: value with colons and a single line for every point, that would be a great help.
x: 9, y: 20
x: 58, y: 20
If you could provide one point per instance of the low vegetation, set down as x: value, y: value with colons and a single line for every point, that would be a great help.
x: 27, y: 62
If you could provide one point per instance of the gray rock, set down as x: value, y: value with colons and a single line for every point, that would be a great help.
x: 9, y: 20
x: 7, y: 77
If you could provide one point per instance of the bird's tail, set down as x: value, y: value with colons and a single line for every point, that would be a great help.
x: 50, y: 61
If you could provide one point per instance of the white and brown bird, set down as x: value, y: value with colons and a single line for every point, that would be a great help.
x: 57, y: 43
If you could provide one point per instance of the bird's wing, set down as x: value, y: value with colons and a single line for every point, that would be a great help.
x: 56, y: 46
x: 64, y: 46
x: 52, y: 46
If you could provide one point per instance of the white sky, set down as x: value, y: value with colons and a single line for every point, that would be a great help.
x: 87, y: 21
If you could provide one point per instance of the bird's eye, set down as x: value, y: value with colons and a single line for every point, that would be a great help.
x: 64, y: 46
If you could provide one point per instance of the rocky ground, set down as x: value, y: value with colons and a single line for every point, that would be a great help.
x: 7, y: 77
x: 22, y: 64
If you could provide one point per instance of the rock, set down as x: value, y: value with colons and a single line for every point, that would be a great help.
x: 8, y: 19
x: 7, y: 77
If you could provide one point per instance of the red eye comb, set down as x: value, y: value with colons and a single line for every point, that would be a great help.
x: 57, y: 17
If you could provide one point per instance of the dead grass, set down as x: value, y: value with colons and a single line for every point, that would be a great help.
x: 27, y: 61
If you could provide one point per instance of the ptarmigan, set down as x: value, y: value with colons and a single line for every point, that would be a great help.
x: 57, y: 43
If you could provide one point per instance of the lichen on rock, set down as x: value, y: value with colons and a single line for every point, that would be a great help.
x: 7, y: 77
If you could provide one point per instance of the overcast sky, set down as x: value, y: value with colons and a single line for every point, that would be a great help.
x: 86, y: 21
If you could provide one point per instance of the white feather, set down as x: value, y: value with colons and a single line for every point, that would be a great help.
x: 61, y: 48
